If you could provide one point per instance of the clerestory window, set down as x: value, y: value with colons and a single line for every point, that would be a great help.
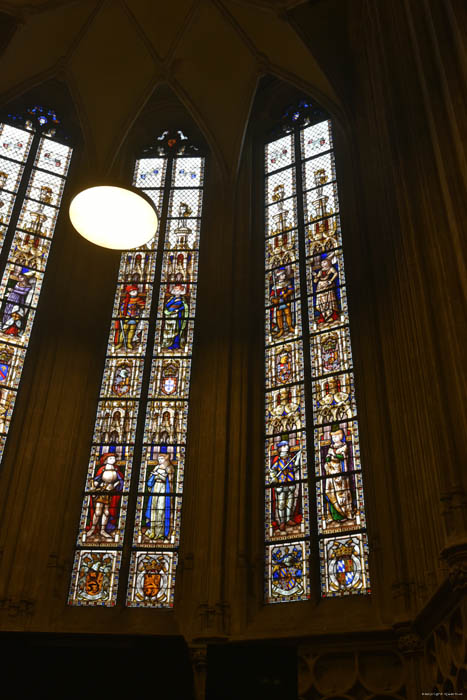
x: 137, y: 457
x: 34, y: 162
x: 312, y: 454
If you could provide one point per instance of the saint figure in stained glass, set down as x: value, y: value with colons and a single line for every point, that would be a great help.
x: 158, y: 515
x: 176, y: 309
x: 132, y: 304
x: 339, y: 497
x: 105, y: 499
x: 19, y: 293
x: 281, y: 293
x: 285, y: 508
x: 326, y: 304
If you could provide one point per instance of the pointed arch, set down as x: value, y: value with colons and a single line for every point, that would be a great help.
x: 35, y: 155
x: 312, y: 457
x: 140, y: 435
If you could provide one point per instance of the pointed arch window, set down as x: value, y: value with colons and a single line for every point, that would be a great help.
x: 312, y: 455
x: 143, y: 406
x: 34, y: 163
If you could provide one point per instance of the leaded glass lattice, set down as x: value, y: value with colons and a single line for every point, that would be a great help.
x: 148, y: 359
x: 31, y: 189
x: 307, y: 317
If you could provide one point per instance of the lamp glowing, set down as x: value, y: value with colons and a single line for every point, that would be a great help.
x: 114, y: 217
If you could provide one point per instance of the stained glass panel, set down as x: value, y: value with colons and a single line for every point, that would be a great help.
x: 15, y: 143
x: 285, y: 409
x: 189, y: 172
x: 340, y: 501
x: 279, y: 153
x: 150, y: 173
x: 284, y: 364
x: 341, y: 437
x: 37, y: 218
x: 152, y: 579
x: 185, y: 203
x: 320, y: 202
x: 344, y: 565
x: 287, y: 577
x: 323, y: 235
x: 316, y: 139
x: 330, y: 352
x: 170, y: 378
x: 318, y: 172
x: 281, y: 216
x: 282, y: 249
x: 53, y: 156
x: 7, y: 201
x: 333, y: 398
x: 296, y: 446
x: 283, y: 324
x: 280, y: 185
x: 95, y: 577
x: 29, y: 251
x: 183, y: 234
x: 10, y: 175
x: 45, y: 187
x: 282, y: 284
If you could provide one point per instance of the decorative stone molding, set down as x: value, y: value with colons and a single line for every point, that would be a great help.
x: 16, y: 607
x: 455, y: 557
x: 446, y: 654
x: 199, y: 663
x: 212, y: 620
x: 410, y: 643
x: 363, y: 673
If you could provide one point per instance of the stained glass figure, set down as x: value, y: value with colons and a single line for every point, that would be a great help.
x: 172, y: 174
x: 28, y: 237
x: 300, y: 176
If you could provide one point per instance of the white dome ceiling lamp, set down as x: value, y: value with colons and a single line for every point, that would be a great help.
x: 120, y: 218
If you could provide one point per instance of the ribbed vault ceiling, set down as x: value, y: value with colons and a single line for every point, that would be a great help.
x: 114, y: 53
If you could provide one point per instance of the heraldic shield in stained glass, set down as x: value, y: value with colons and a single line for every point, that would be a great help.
x: 33, y: 171
x: 303, y: 245
x: 148, y: 354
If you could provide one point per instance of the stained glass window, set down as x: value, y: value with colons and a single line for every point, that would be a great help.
x: 33, y: 169
x: 143, y: 407
x: 311, y: 426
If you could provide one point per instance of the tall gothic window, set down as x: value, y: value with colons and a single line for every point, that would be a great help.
x: 143, y: 406
x: 312, y: 455
x: 34, y: 163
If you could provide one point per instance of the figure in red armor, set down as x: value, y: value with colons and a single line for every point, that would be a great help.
x: 131, y: 308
